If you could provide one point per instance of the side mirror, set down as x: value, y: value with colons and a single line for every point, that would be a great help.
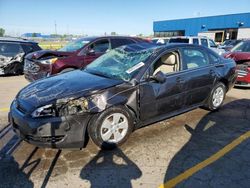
x: 214, y: 46
x: 158, y: 77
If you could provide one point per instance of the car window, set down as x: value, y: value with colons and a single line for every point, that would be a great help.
x: 196, y: 41
x: 167, y: 63
x: 212, y: 43
x: 36, y: 47
x: 100, y: 46
x: 27, y: 48
x: 178, y: 40
x: 120, y: 42
x: 243, y: 46
x: 204, y: 42
x: 214, y: 58
x: 10, y: 49
x: 194, y: 58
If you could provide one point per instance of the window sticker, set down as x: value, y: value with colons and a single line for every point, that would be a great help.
x: 134, y: 68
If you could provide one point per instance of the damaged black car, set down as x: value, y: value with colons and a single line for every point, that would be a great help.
x: 12, y: 52
x: 123, y: 90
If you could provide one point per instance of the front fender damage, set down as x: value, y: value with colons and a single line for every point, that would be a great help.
x: 116, y: 96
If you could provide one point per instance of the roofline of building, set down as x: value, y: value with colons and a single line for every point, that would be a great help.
x: 202, y: 17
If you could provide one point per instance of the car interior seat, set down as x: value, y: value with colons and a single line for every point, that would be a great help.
x: 167, y: 63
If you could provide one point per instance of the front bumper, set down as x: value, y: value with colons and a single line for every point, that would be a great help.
x: 243, y: 80
x: 35, y: 70
x: 52, y: 132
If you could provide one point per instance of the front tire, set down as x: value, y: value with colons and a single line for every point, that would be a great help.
x: 216, y: 97
x: 111, y: 128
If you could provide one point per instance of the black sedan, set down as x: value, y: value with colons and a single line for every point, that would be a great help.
x: 125, y: 89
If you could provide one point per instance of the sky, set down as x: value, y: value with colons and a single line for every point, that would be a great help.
x: 95, y: 17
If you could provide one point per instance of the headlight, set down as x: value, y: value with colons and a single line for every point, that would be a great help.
x: 62, y: 107
x: 47, y: 110
x: 72, y: 106
x: 49, y: 61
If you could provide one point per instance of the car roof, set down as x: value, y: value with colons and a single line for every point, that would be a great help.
x: 188, y: 37
x: 108, y: 36
x: 138, y: 47
x: 14, y: 39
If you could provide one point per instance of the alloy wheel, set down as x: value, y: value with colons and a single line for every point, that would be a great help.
x: 114, y: 128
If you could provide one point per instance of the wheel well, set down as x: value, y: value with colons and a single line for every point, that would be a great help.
x: 225, y: 82
x: 133, y: 112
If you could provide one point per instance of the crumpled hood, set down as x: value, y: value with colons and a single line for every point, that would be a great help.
x: 47, y: 53
x: 72, y: 84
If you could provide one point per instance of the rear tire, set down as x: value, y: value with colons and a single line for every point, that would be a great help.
x: 217, y: 96
x: 111, y: 128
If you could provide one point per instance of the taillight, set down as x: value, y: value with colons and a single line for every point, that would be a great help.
x: 248, y: 69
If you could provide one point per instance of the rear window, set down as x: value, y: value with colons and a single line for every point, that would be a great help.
x: 30, y: 47
x: 178, y: 40
x: 10, y: 49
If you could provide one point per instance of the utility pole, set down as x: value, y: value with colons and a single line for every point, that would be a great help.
x: 55, y: 28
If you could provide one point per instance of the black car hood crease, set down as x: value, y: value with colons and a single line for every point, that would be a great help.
x: 73, y: 84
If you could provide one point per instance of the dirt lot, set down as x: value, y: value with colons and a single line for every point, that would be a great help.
x: 195, y: 149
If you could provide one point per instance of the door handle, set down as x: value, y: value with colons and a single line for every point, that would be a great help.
x: 179, y: 80
x: 219, y: 65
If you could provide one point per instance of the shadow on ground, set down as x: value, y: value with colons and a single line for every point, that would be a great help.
x: 13, y: 176
x: 211, y: 134
x: 110, y: 168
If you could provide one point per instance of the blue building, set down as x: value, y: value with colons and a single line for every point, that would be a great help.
x: 219, y: 28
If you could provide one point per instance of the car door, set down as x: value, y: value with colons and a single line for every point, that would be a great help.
x: 160, y: 99
x: 199, y: 74
x: 95, y: 50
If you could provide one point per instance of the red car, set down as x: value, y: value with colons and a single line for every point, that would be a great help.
x: 241, y: 55
x: 74, y: 55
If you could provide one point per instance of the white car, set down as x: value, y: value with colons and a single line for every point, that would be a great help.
x: 160, y: 40
x: 204, y: 41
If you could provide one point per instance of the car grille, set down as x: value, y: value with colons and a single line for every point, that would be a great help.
x: 242, y: 73
x: 46, y: 139
x: 30, y: 66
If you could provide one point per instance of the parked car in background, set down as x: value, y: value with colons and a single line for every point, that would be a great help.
x: 12, y: 52
x: 160, y: 40
x: 127, y: 88
x: 197, y: 40
x: 75, y: 55
x: 227, y: 45
x: 241, y: 55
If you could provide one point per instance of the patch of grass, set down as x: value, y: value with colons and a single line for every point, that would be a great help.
x: 51, y: 45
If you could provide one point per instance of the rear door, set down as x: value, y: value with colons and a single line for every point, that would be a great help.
x: 199, y: 74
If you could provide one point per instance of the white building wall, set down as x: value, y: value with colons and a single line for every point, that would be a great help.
x: 243, y: 33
